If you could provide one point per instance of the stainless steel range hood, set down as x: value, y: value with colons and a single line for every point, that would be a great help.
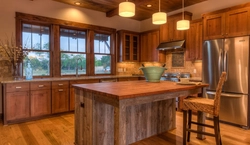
x: 171, y: 45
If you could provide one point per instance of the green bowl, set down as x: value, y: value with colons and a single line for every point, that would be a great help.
x: 153, y: 73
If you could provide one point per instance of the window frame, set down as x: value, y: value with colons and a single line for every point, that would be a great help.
x: 110, y: 54
x: 55, y: 25
x: 34, y: 50
x: 75, y: 52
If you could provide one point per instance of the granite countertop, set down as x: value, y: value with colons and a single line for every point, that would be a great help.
x: 127, y: 89
x: 10, y: 80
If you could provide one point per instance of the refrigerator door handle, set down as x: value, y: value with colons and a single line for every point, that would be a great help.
x: 219, y: 61
x: 226, y: 95
x: 225, y: 64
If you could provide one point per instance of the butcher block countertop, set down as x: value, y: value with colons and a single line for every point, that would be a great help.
x: 132, y: 89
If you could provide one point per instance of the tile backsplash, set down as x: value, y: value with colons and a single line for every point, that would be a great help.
x: 128, y: 68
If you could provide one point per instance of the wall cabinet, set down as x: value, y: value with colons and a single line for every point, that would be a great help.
x: 60, y: 96
x: 168, y: 31
x: 72, y: 90
x: 194, y: 41
x: 149, y: 42
x: 230, y: 22
x: 16, y: 102
x: 40, y: 98
x: 128, y: 46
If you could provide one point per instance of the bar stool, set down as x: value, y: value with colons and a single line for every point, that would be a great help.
x: 211, y: 106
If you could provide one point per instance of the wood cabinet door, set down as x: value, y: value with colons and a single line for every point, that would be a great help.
x: 171, y: 31
x: 128, y: 47
x: 194, y: 42
x: 191, y: 42
x: 60, y: 100
x: 164, y: 32
x: 238, y: 22
x: 149, y: 42
x: 144, y: 52
x: 17, y: 105
x: 199, y: 41
x: 154, y: 42
x: 134, y: 56
x: 40, y: 102
x: 214, y: 26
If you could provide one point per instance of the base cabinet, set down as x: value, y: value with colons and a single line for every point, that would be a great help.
x: 40, y: 98
x: 17, y: 105
x: 60, y: 96
x: 16, y: 102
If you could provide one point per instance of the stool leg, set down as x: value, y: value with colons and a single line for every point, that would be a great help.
x: 216, y: 130
x: 189, y: 124
x: 184, y: 127
x: 219, y: 130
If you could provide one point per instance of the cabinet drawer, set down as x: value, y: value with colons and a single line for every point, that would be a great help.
x: 17, y: 87
x: 60, y: 84
x: 40, y: 85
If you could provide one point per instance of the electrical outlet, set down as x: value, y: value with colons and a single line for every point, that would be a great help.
x: 194, y: 71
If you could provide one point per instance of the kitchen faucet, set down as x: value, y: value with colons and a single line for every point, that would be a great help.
x: 77, y: 65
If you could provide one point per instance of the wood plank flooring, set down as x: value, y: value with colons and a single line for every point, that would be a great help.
x: 59, y: 130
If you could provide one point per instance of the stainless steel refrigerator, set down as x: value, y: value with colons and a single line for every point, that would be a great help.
x: 230, y: 55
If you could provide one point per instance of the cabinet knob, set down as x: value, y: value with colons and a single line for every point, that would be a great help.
x: 18, y: 87
x: 82, y: 104
x: 60, y: 90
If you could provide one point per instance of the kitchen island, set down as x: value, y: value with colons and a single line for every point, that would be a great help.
x: 120, y: 113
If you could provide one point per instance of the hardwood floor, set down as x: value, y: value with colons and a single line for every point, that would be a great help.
x: 60, y: 131
x: 51, y: 131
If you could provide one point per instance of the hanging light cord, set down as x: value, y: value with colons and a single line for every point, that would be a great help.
x: 159, y: 5
x: 182, y: 9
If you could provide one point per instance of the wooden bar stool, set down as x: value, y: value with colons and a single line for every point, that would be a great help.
x: 211, y: 106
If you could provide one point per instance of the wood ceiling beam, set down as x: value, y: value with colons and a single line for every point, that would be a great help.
x: 112, y: 13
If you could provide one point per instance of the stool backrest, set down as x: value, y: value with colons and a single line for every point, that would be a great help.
x: 218, y: 94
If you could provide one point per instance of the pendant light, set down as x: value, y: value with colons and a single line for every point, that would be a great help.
x: 183, y: 24
x: 159, y: 17
x: 126, y: 9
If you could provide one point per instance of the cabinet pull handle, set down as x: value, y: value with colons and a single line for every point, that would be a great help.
x: 40, y: 86
x: 82, y: 105
x: 60, y: 84
x: 60, y: 90
x: 18, y: 87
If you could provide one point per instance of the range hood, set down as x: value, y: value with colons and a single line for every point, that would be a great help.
x: 171, y: 45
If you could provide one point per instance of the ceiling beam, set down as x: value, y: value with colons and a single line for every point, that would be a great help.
x: 112, y: 13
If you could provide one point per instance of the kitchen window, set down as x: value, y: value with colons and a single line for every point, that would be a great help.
x: 73, y: 51
x: 36, y: 40
x: 102, y: 53
x: 67, y: 45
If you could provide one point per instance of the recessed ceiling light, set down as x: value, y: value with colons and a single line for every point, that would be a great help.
x: 77, y: 3
x: 149, y: 6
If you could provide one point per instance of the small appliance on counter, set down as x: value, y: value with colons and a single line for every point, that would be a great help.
x: 175, y: 76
